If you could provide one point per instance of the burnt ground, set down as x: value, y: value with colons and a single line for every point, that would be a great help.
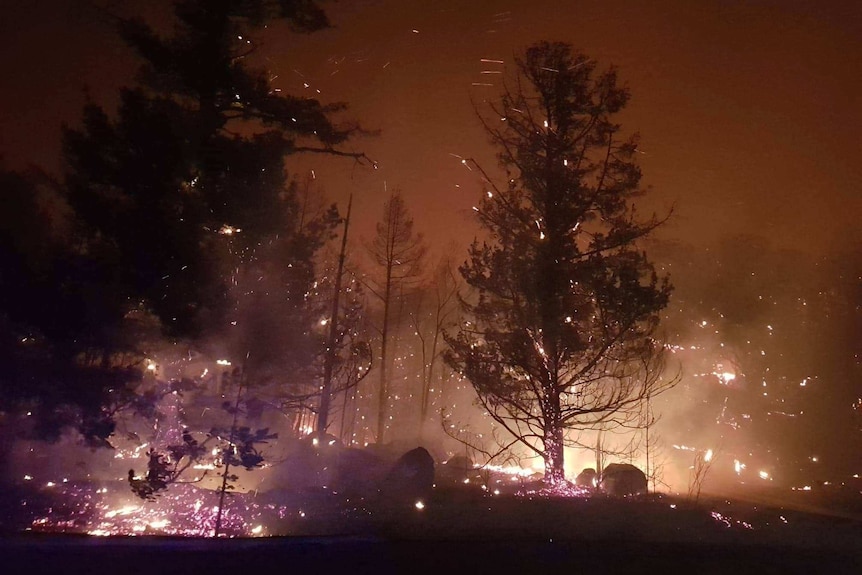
x: 73, y: 555
x: 462, y: 531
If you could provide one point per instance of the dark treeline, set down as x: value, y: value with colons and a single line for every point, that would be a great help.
x: 178, y: 257
x: 170, y: 209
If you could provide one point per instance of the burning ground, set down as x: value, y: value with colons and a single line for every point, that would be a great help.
x: 473, y: 519
x: 460, y: 529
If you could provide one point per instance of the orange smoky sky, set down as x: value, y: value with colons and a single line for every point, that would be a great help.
x: 748, y: 109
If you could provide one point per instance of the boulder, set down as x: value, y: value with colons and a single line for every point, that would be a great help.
x: 621, y: 479
x: 587, y: 478
x: 411, y: 478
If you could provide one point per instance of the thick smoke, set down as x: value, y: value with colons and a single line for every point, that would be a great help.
x: 764, y: 340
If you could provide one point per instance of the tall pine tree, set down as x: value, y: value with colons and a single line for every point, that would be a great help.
x: 560, y: 334
x: 187, y: 180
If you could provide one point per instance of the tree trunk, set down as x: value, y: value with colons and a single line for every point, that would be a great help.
x: 426, y: 389
x: 555, y: 473
x: 423, y: 380
x: 383, y: 391
x: 225, y: 474
x: 331, y: 352
x: 648, y: 422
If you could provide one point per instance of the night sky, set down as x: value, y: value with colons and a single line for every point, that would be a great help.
x: 747, y: 109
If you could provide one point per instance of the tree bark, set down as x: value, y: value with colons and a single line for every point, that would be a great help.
x: 329, y: 361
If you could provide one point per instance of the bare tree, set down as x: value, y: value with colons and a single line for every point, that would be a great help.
x: 698, y: 473
x: 330, y: 350
x: 560, y: 331
x: 399, y: 253
x: 435, y: 311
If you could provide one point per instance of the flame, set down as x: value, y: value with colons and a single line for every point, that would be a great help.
x: 227, y: 230
x: 184, y: 510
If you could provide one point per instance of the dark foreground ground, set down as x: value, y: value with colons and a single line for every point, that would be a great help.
x: 73, y: 555
x: 461, y: 532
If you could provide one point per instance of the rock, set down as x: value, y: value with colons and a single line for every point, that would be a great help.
x: 621, y: 479
x: 411, y: 477
x: 587, y: 478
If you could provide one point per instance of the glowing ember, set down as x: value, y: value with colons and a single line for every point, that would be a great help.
x: 512, y: 470
x: 182, y: 511
x: 729, y: 522
x: 725, y: 377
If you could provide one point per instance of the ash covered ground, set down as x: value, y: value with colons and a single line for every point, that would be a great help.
x: 461, y: 528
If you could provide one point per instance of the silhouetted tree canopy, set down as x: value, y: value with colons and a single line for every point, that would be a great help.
x: 560, y: 333
x: 398, y: 253
x: 174, y: 204
x: 187, y: 180
x: 64, y: 334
